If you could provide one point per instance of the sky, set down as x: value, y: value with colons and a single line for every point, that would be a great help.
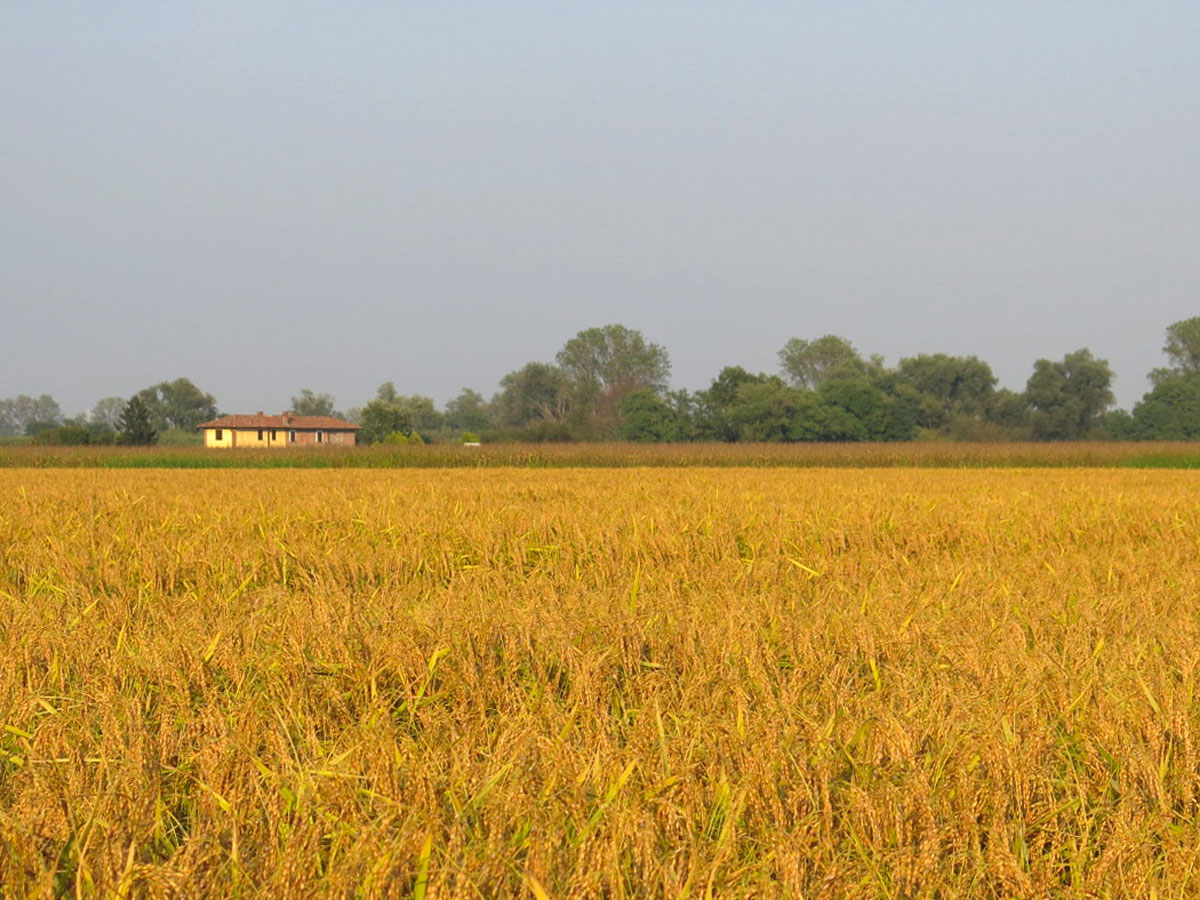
x: 270, y: 196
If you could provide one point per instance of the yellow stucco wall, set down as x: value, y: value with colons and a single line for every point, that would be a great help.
x: 248, y: 437
x: 210, y: 437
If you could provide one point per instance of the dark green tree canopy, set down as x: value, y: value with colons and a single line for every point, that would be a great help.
x: 809, y: 364
x: 537, y: 392
x: 1010, y: 410
x: 306, y: 403
x: 1170, y: 412
x: 1068, y: 398
x: 816, y: 420
x: 1183, y: 346
x: 769, y: 410
x: 425, y: 415
x: 178, y: 404
x: 421, y: 411
x: 469, y: 411
x: 947, y: 387
x: 135, y: 425
x: 714, y: 407
x: 612, y: 360
x: 879, y: 417
x: 381, y: 418
x: 645, y: 416
x: 765, y: 410
x: 723, y: 392
x: 602, y: 366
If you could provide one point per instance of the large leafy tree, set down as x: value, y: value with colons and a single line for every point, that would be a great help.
x: 715, y: 414
x: 106, y: 414
x: 809, y: 364
x: 1182, y: 348
x: 21, y: 413
x: 815, y: 419
x: 879, y: 417
x: 537, y: 392
x: 947, y: 387
x: 381, y: 418
x: 645, y: 416
x: 392, y: 412
x: 1068, y: 398
x: 307, y: 403
x: 765, y: 410
x: 421, y: 411
x: 1009, y: 409
x: 769, y: 410
x: 1171, y: 411
x: 178, y: 404
x: 723, y: 392
x: 602, y: 365
x: 468, y: 411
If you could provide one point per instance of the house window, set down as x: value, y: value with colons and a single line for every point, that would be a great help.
x: 220, y: 434
x: 319, y: 437
x: 260, y: 434
x: 274, y: 436
x: 292, y: 437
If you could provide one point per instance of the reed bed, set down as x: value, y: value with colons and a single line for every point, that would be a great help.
x: 575, y: 683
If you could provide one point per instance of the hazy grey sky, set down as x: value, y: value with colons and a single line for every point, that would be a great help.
x: 269, y: 196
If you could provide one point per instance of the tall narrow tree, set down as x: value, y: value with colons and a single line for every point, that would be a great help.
x: 135, y: 425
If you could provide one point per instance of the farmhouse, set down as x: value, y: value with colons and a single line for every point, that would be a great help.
x: 286, y: 430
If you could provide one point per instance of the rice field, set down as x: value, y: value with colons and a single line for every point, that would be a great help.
x: 578, y: 682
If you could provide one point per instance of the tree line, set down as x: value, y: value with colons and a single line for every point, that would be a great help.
x: 169, y: 408
x: 610, y: 383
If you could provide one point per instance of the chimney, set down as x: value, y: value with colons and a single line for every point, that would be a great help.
x: 260, y: 412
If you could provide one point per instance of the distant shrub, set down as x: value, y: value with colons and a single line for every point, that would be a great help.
x: 180, y: 437
x: 469, y: 437
x: 63, y: 436
x: 547, y: 433
x: 39, y: 427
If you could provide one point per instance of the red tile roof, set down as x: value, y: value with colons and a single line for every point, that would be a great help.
x: 296, y: 423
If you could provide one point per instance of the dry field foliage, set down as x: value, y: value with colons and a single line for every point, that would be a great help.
x: 589, y: 683
x: 918, y: 454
